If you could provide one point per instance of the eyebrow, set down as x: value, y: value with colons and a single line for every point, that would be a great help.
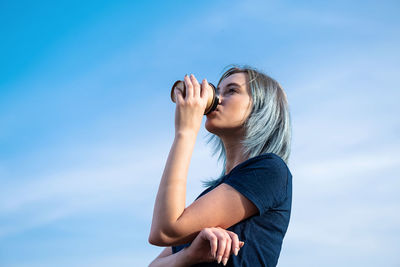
x: 230, y: 84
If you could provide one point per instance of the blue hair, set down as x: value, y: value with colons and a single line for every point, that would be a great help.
x: 268, y: 126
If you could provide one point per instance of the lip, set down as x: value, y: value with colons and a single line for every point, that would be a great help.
x: 213, y: 112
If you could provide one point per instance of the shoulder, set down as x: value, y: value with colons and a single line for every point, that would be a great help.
x: 263, y: 179
x: 266, y: 161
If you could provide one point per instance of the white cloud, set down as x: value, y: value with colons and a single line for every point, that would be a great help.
x: 106, y: 177
x: 344, y: 158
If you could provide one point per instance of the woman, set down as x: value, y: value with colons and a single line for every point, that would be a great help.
x: 251, y: 200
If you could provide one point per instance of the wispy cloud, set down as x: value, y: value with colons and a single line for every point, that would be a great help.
x: 110, y: 126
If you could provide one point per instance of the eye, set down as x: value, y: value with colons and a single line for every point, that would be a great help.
x: 229, y: 91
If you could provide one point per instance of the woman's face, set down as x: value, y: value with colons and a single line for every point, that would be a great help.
x: 234, y: 106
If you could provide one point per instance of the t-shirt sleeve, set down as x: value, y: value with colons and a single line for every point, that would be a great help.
x: 263, y: 181
x: 176, y: 249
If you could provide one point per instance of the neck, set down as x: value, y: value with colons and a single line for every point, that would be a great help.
x: 234, y: 152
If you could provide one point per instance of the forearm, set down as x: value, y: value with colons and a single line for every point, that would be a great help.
x: 179, y: 259
x: 171, y: 196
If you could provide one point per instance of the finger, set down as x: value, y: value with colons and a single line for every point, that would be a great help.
x: 212, y: 238
x: 227, y: 252
x: 221, y: 244
x: 204, y: 91
x: 241, y: 244
x: 235, y: 242
x: 178, y: 96
x: 196, y: 86
x: 189, y: 87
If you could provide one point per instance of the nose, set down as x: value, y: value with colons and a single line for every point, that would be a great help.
x: 219, y: 99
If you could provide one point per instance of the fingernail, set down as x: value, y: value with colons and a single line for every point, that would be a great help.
x: 236, y: 251
x: 219, y: 259
x: 224, y: 261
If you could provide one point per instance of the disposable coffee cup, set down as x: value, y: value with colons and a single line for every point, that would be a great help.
x: 212, y: 101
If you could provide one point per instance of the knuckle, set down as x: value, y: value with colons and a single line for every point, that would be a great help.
x: 220, y: 236
x: 196, y: 102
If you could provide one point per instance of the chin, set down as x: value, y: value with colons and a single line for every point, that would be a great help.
x: 223, y: 130
x: 211, y: 127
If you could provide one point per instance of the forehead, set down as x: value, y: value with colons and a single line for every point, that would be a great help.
x: 239, y: 78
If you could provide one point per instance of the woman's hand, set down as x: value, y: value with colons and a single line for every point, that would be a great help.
x: 214, y: 244
x: 190, y: 110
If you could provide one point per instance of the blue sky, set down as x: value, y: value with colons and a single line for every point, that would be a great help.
x: 87, y: 123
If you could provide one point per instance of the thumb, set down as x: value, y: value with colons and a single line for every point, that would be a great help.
x: 178, y: 96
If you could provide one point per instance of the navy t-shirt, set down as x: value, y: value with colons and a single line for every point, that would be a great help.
x: 267, y: 182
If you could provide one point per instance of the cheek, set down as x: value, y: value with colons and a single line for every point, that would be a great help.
x: 245, y: 109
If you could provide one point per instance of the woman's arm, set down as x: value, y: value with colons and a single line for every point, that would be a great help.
x: 171, y: 196
x: 166, y: 258
x: 211, y: 244
x: 172, y: 223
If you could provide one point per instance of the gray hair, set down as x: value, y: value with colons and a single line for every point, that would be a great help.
x: 267, y: 128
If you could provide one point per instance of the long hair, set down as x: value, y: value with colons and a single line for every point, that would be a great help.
x: 268, y: 126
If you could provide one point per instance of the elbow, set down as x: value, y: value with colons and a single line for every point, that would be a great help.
x: 160, y: 239
x: 156, y: 240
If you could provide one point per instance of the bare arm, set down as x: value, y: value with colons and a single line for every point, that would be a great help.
x: 166, y: 258
x: 211, y: 244
x: 172, y: 223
